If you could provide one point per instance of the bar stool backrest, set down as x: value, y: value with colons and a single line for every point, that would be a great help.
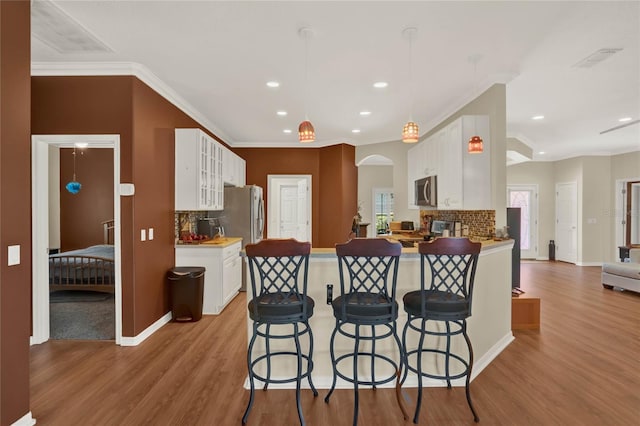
x: 278, y: 270
x: 453, y: 263
x: 368, y: 271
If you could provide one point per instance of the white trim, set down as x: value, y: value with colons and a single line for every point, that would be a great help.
x: 26, y: 420
x: 40, y: 226
x: 135, y: 341
x: 136, y: 70
x: 324, y: 382
x: 588, y: 263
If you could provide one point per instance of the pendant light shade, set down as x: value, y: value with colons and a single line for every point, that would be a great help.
x: 475, y: 142
x: 410, y: 132
x: 306, y: 132
x: 475, y: 145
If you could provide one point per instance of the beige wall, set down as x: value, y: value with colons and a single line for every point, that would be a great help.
x: 397, y: 153
x: 370, y: 177
x: 596, y: 178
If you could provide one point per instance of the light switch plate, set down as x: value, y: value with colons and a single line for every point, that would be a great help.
x: 150, y: 234
x: 14, y: 255
x: 143, y: 235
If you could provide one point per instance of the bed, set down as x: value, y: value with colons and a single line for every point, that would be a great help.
x: 89, y: 269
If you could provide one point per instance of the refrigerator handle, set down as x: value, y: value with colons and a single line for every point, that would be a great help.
x: 260, y: 218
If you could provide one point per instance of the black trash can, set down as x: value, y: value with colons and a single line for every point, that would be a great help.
x: 186, y: 288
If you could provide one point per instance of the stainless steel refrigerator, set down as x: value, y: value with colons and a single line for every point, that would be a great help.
x: 243, y: 216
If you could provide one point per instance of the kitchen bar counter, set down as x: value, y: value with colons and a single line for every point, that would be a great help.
x: 219, y: 242
x: 489, y: 326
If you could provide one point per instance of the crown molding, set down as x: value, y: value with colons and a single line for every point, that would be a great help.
x: 128, y: 68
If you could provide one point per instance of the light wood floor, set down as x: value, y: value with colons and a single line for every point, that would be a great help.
x: 581, y: 368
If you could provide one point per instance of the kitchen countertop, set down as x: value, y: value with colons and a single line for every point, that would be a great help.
x: 487, y: 245
x: 216, y: 243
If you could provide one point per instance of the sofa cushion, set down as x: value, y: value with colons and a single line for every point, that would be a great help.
x: 629, y: 270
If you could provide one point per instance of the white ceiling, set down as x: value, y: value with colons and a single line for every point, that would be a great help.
x: 218, y: 55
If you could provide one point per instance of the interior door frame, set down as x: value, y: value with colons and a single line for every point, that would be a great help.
x: 40, y: 225
x: 273, y: 204
x: 533, y: 252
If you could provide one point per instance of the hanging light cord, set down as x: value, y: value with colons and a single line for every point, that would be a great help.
x: 74, y: 164
x: 306, y: 72
x: 411, y: 75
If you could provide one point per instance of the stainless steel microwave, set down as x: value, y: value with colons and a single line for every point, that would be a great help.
x: 426, y: 192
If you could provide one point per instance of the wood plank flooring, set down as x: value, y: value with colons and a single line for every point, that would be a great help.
x: 580, y: 368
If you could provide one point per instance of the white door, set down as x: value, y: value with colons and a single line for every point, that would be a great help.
x: 567, y: 222
x: 40, y: 225
x: 289, y: 206
x: 526, y: 197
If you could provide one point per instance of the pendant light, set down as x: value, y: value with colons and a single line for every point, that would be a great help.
x: 74, y: 186
x: 475, y: 145
x: 306, y: 132
x: 410, y: 131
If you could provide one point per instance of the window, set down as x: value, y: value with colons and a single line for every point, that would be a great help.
x: 383, y: 209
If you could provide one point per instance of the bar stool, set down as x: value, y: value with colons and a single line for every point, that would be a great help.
x: 368, y: 270
x: 447, y: 299
x: 278, y: 270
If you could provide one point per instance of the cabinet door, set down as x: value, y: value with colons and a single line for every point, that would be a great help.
x: 242, y: 171
x: 217, y: 202
x: 204, y: 171
x: 231, y: 278
x: 450, y: 167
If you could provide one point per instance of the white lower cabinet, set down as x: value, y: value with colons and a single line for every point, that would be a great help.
x: 223, y: 272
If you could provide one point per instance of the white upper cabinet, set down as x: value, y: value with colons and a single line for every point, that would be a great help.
x: 198, y: 171
x: 233, y: 168
x: 464, y: 180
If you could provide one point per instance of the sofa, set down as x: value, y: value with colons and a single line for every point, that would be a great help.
x: 625, y: 275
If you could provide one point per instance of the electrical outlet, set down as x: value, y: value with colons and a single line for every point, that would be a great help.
x: 150, y: 234
x: 14, y: 255
x: 143, y: 235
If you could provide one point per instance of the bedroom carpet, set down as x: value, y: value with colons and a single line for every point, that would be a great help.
x: 80, y: 315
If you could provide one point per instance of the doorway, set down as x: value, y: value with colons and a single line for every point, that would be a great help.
x: 526, y: 198
x: 567, y: 222
x: 289, y: 206
x: 40, y: 207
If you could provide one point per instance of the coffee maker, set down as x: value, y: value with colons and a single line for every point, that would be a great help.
x: 210, y: 226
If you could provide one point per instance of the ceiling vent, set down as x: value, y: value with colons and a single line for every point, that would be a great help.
x: 55, y: 28
x: 597, y: 57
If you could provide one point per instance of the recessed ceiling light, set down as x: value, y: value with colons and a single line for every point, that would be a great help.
x: 273, y: 84
x: 287, y: 130
x: 355, y: 131
x: 281, y: 113
x: 537, y: 117
x: 380, y: 84
x: 542, y: 153
x: 624, y: 119
x: 365, y: 113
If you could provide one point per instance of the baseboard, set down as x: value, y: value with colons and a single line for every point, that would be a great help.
x: 135, y: 341
x: 589, y: 263
x: 324, y: 382
x: 26, y: 420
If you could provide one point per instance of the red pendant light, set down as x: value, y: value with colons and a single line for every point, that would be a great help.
x: 306, y: 132
x: 475, y: 145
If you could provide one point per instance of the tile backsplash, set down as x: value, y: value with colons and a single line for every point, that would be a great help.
x: 482, y: 223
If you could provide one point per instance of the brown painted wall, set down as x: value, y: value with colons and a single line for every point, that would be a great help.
x: 338, y: 193
x: 333, y: 178
x: 82, y: 214
x: 145, y: 122
x: 15, y: 209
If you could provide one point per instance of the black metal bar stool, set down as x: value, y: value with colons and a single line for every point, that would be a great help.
x: 368, y: 273
x: 445, y: 297
x: 278, y: 270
